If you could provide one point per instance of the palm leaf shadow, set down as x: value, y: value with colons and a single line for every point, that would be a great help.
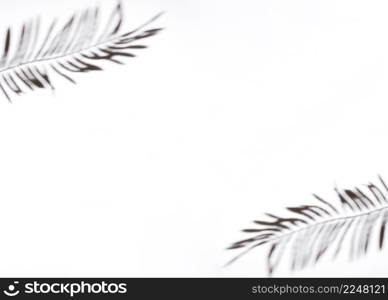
x: 76, y: 46
x: 356, y: 221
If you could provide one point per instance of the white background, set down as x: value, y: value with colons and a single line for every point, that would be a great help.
x: 236, y: 109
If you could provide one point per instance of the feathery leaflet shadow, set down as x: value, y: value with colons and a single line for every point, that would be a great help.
x: 356, y: 221
x: 77, y: 46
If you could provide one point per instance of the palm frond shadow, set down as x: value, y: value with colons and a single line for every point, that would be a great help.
x: 30, y: 56
x: 356, y: 222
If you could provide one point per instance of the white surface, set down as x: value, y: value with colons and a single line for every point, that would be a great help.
x: 151, y: 169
